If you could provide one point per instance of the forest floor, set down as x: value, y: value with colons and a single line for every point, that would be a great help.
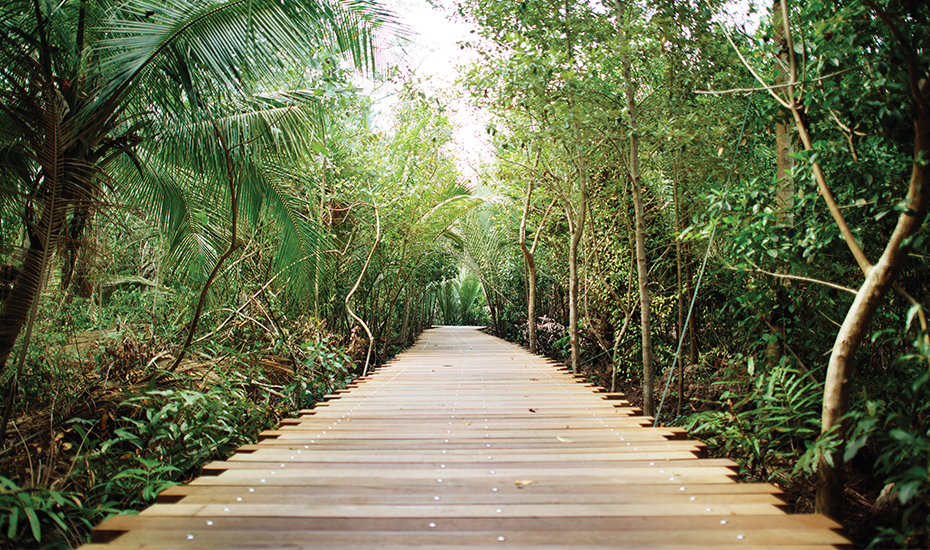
x: 96, y: 430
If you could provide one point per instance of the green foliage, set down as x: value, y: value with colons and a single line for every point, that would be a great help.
x: 894, y: 435
x: 29, y: 515
x: 457, y: 299
x: 767, y: 427
x: 161, y: 437
x: 324, y: 369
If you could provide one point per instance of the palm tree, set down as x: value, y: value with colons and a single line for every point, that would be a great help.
x: 100, y: 99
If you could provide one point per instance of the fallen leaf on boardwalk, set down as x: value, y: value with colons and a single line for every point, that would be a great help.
x: 521, y: 483
x: 532, y: 410
x: 468, y: 423
x: 564, y: 440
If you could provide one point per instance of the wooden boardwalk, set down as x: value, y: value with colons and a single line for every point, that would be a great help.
x: 466, y: 441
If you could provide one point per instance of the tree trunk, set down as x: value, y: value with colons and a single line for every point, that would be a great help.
x: 830, y: 482
x: 577, y: 232
x: 784, y: 148
x: 641, y: 262
x: 784, y: 192
x: 693, y: 355
x: 405, y: 325
x: 530, y: 271
x: 681, y: 296
x: 16, y: 307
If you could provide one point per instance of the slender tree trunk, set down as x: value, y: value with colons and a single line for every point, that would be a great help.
x: 641, y: 261
x: 784, y: 148
x: 405, y: 324
x: 577, y: 233
x: 361, y: 275
x: 530, y: 270
x: 316, y: 265
x: 785, y: 191
x: 693, y: 355
x: 235, y: 185
x: 879, y: 277
x: 681, y: 296
x: 577, y: 222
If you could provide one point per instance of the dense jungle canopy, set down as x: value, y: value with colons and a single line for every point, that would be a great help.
x: 210, y: 217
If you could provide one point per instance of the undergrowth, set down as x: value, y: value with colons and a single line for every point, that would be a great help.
x: 140, y: 434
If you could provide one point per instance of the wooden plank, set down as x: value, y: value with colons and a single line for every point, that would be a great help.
x: 684, y: 523
x: 704, y: 538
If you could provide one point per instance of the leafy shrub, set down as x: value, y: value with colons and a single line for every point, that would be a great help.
x: 162, y: 437
x: 895, y: 432
x: 765, y: 429
x: 29, y: 515
x: 323, y: 369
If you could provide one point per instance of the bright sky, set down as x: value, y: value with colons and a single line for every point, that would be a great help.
x: 433, y: 57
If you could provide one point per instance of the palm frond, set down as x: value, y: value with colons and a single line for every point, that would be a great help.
x: 232, y: 42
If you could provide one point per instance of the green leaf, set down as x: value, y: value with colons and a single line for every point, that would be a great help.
x: 853, y: 447
x: 57, y: 519
x: 906, y: 491
x: 910, y: 315
x: 14, y: 523
x: 34, y: 524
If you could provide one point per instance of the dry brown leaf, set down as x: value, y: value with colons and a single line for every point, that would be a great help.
x: 564, y: 440
x: 521, y: 483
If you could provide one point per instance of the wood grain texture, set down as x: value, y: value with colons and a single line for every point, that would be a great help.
x: 466, y: 441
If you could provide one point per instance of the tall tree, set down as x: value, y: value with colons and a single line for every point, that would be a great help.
x: 642, y: 265
x: 85, y: 83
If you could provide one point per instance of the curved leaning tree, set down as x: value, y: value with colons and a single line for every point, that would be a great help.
x: 161, y: 102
